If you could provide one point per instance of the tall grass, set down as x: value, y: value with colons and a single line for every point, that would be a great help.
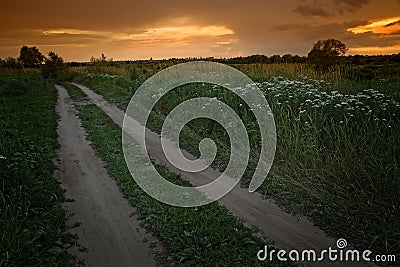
x: 18, y: 72
x: 343, y: 78
x: 31, y: 218
x: 129, y: 70
x: 340, y: 165
x: 190, y: 236
x: 338, y: 152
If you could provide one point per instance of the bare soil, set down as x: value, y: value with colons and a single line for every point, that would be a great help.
x: 108, y: 230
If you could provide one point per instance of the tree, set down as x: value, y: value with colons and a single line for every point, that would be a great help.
x: 102, y: 60
x: 287, y: 58
x: 275, y: 59
x: 53, y: 67
x: 30, y: 56
x: 10, y: 62
x: 54, y: 59
x: 327, y: 52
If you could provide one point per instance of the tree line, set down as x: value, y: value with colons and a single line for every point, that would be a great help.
x: 30, y: 57
x: 288, y: 58
x: 324, y: 53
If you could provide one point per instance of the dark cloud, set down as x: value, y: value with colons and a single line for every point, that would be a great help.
x: 115, y: 15
x: 355, y: 23
x: 307, y: 34
x: 396, y: 33
x: 370, y: 39
x: 324, y: 8
x: 393, y: 23
x: 350, y: 5
x: 311, y: 8
x: 259, y: 26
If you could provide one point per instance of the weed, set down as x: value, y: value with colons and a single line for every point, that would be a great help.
x: 337, y: 156
x: 190, y: 236
x: 31, y: 218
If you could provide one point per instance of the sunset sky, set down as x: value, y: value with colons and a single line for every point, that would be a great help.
x: 129, y: 29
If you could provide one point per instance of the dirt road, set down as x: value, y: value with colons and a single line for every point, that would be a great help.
x: 111, y: 236
x: 288, y: 231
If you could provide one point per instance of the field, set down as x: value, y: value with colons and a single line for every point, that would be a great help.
x: 337, y: 159
x: 189, y: 236
x: 31, y: 218
x: 337, y: 155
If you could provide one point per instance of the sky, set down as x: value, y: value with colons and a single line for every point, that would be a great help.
x: 129, y: 29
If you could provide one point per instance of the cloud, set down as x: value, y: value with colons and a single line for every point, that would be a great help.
x: 366, y: 43
x: 311, y: 8
x: 381, y: 26
x: 214, y: 39
x: 393, y: 23
x: 159, y: 28
x: 350, y: 5
x: 364, y: 50
x: 355, y: 23
x: 320, y: 7
x: 164, y: 34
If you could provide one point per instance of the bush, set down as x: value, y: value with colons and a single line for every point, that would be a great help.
x: 13, y: 87
x: 54, y: 66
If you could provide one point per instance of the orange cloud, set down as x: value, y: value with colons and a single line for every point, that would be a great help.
x: 382, y: 26
x: 172, y: 34
x: 173, y: 38
x: 375, y: 50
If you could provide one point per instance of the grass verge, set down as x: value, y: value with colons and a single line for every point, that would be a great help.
x: 31, y: 218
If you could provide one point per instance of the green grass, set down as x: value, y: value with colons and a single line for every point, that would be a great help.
x: 31, y: 218
x: 343, y: 78
x: 189, y: 236
x: 75, y: 93
x: 336, y: 161
x: 15, y: 85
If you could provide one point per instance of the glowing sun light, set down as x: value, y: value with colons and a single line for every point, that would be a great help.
x: 382, y: 26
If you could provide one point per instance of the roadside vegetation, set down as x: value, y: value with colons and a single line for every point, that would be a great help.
x: 337, y: 158
x: 338, y: 152
x: 189, y: 236
x: 31, y: 218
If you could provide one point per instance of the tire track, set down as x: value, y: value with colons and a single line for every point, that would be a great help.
x: 286, y: 230
x: 112, y: 237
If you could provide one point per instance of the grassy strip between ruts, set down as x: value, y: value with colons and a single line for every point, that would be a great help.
x: 31, y: 218
x: 203, y: 236
x: 75, y: 93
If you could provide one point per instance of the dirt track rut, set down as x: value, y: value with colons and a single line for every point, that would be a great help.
x: 112, y: 237
x: 288, y: 231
